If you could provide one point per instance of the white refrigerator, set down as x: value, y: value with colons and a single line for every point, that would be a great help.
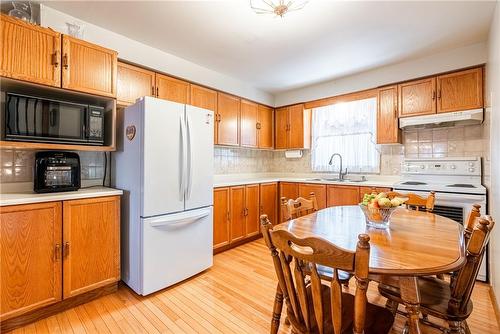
x: 164, y: 164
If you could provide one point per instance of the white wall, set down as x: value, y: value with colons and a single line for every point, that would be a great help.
x: 148, y: 56
x: 457, y: 58
x: 493, y: 103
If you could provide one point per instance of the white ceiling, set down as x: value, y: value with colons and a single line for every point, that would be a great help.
x: 324, y: 41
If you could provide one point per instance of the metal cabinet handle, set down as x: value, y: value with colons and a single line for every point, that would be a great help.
x: 66, y: 249
x: 65, y: 61
x: 157, y: 92
x: 434, y: 95
x: 439, y: 94
x: 57, y: 252
x: 152, y: 91
x: 55, y: 59
x: 257, y: 125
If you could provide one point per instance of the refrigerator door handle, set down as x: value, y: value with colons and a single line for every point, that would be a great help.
x: 189, y: 158
x: 179, y: 222
x: 182, y: 186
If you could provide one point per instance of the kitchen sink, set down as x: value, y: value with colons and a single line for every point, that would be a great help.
x: 335, y: 180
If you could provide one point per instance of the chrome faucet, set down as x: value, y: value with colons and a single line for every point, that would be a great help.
x: 341, y: 174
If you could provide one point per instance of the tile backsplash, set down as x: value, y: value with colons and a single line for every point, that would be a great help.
x: 453, y: 141
x: 18, y: 166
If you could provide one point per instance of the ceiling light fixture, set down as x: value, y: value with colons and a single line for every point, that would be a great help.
x: 277, y: 7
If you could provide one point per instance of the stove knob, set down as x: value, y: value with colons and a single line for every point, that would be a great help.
x: 422, y: 166
x: 407, y: 169
x: 471, y: 164
x: 453, y: 167
x: 471, y: 170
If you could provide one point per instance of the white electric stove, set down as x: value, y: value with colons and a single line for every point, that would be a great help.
x: 457, y: 183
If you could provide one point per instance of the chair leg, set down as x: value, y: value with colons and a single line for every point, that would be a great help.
x: 392, y: 306
x: 277, y: 308
x: 455, y: 327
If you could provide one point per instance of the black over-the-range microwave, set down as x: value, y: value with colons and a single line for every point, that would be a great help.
x: 30, y: 118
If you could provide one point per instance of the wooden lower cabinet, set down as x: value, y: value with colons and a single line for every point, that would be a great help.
x: 30, y: 257
x: 91, y: 244
x: 237, y: 213
x: 269, y: 201
x: 252, y: 210
x: 342, y: 195
x: 51, y: 252
x: 221, y: 217
x: 319, y: 190
x: 289, y: 190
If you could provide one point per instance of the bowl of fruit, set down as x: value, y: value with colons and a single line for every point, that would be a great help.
x: 378, y: 208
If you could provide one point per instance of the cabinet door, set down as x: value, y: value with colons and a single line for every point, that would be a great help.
x: 237, y: 225
x: 296, y: 126
x: 172, y: 89
x: 202, y: 97
x: 460, y: 90
x: 221, y: 217
x: 248, y: 123
x: 388, y: 131
x: 91, y: 244
x: 30, y: 257
x: 417, y: 97
x: 133, y: 82
x: 88, y: 67
x: 252, y: 210
x: 30, y: 52
x: 265, y: 127
x: 281, y: 128
x: 290, y: 190
x: 228, y: 108
x: 269, y: 201
x: 343, y: 195
x: 319, y: 190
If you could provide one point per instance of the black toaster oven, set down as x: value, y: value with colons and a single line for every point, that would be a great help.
x: 56, y: 171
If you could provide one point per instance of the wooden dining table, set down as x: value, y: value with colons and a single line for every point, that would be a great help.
x: 415, y: 244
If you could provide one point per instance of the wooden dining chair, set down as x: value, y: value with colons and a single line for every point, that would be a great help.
x: 451, y: 301
x: 311, y: 306
x: 415, y: 201
x: 295, y: 208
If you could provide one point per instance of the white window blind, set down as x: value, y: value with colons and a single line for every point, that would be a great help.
x: 347, y: 128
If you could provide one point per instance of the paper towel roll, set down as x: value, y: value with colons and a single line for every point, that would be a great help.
x: 293, y: 154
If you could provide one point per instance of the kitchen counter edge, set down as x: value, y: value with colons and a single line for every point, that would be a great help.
x: 19, y: 198
x: 368, y: 183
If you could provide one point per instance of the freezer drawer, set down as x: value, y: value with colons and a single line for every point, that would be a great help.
x: 175, y: 247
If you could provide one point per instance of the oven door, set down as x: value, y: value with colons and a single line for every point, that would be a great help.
x: 35, y: 119
x: 457, y: 207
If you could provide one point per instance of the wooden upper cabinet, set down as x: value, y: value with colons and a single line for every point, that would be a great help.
x: 30, y: 257
x: 293, y: 127
x: 133, y: 83
x: 202, y: 97
x: 237, y: 213
x: 248, y: 123
x: 417, y: 97
x: 228, y: 122
x: 460, y: 90
x: 221, y: 217
x: 252, y: 209
x: 319, y: 190
x: 342, y: 195
x: 29, y: 52
x: 388, y: 131
x: 91, y: 244
x: 265, y: 127
x: 172, y: 89
x: 269, y: 201
x: 88, y: 68
x: 281, y: 128
x: 299, y: 128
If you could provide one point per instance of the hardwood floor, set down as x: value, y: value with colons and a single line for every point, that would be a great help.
x: 235, y: 296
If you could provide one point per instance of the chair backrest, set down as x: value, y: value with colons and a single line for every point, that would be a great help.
x: 466, y: 277
x: 415, y: 201
x: 471, y: 222
x: 290, y: 256
x: 291, y: 209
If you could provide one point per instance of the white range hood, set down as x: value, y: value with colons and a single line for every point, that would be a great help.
x: 466, y: 117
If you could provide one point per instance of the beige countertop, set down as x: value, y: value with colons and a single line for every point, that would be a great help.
x: 23, y: 196
x: 240, y: 179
